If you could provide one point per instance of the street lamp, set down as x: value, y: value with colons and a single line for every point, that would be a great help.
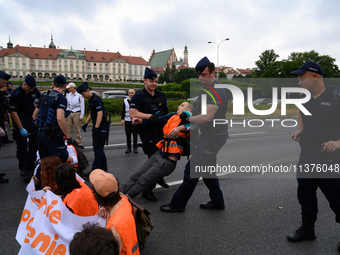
x: 218, y: 50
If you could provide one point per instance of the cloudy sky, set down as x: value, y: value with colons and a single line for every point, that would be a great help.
x: 136, y: 27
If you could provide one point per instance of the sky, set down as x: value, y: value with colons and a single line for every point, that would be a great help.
x: 137, y: 27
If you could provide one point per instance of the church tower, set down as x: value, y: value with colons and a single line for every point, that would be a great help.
x: 52, y: 45
x: 9, y: 44
x: 186, y: 56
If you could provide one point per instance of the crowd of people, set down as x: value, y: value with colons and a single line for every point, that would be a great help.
x: 44, y: 126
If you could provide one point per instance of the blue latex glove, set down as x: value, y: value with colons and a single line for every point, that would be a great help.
x: 23, y: 132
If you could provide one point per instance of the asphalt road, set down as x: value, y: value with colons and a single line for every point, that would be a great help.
x: 261, y: 209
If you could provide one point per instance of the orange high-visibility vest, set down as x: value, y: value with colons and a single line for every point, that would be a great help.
x: 124, y: 222
x: 169, y: 145
x: 82, y: 201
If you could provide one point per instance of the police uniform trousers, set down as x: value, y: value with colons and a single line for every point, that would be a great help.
x: 52, y: 148
x: 26, y: 146
x: 73, y: 119
x: 309, y: 182
x: 5, y: 138
x: 205, y: 154
x: 152, y: 171
x: 98, y: 142
x: 130, y: 129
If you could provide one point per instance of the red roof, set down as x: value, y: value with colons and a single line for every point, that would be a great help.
x: 51, y: 53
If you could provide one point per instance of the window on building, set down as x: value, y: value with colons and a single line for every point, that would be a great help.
x: 83, y: 69
x: 77, y: 68
x: 65, y: 68
x: 124, y: 71
x: 71, y: 68
x: 24, y: 67
x: 53, y: 68
x: 106, y: 70
x: 94, y: 64
x: 119, y: 71
x: 33, y: 68
x: 46, y: 62
x: 119, y: 64
x: 16, y: 66
x: 89, y: 70
x: 10, y: 66
x: 71, y: 75
x: 40, y: 61
x: 114, y: 70
x: 65, y: 61
x: 9, y: 59
x: 3, y: 67
x: 94, y: 69
x: 16, y: 59
x: 100, y: 70
x: 3, y: 60
x: 46, y: 68
x: 17, y: 73
x: 40, y: 68
x: 59, y: 68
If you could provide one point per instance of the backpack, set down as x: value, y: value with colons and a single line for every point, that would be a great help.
x: 143, y: 222
x: 83, y: 163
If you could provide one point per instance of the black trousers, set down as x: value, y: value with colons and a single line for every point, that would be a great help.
x: 130, y: 129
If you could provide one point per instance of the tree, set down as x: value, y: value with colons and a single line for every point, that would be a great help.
x: 329, y: 69
x: 280, y: 69
x: 222, y: 75
x: 266, y: 58
x: 183, y: 74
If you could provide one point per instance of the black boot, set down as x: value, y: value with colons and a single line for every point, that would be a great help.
x: 305, y: 232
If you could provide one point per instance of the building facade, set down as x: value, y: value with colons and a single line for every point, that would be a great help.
x: 47, y: 62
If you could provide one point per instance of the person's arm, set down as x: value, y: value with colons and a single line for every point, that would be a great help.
x: 296, y: 136
x: 201, y: 119
x: 87, y: 121
x: 62, y: 122
x: 99, y: 119
x: 174, y: 133
x: 16, y: 120
x: 35, y: 113
x: 134, y: 113
x: 82, y: 108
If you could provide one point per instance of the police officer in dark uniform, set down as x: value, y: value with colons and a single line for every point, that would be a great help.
x: 22, y: 108
x: 100, y: 127
x: 319, y: 138
x: 146, y: 105
x: 209, y: 143
x: 51, y: 121
x: 4, y: 77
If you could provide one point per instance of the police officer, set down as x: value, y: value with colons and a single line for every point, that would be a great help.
x: 209, y: 143
x: 146, y: 105
x: 4, y: 77
x: 319, y: 138
x: 51, y: 121
x: 100, y: 127
x: 22, y: 108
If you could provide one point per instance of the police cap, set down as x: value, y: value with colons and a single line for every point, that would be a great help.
x: 4, y: 76
x: 202, y: 64
x: 149, y: 74
x: 30, y: 81
x: 60, y: 79
x: 82, y: 87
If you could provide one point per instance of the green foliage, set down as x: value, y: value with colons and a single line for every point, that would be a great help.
x: 174, y: 94
x: 222, y: 75
x: 184, y: 74
x: 280, y: 69
x: 267, y: 57
x: 170, y: 87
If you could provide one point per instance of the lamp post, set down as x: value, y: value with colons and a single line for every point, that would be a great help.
x: 218, y: 51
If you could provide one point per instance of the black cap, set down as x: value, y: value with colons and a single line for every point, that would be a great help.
x: 149, y: 74
x: 82, y: 87
x: 309, y: 66
x: 4, y: 76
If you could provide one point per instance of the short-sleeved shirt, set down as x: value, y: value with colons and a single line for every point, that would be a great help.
x: 23, y: 103
x: 55, y: 100
x: 324, y: 123
x: 218, y: 97
x: 96, y: 105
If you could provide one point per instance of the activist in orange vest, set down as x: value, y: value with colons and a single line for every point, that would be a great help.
x: 76, y: 195
x: 163, y: 162
x: 105, y: 188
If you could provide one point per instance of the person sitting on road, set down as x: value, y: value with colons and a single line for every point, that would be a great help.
x: 76, y: 195
x: 163, y: 162
x: 95, y: 240
x: 47, y: 166
x: 117, y: 208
